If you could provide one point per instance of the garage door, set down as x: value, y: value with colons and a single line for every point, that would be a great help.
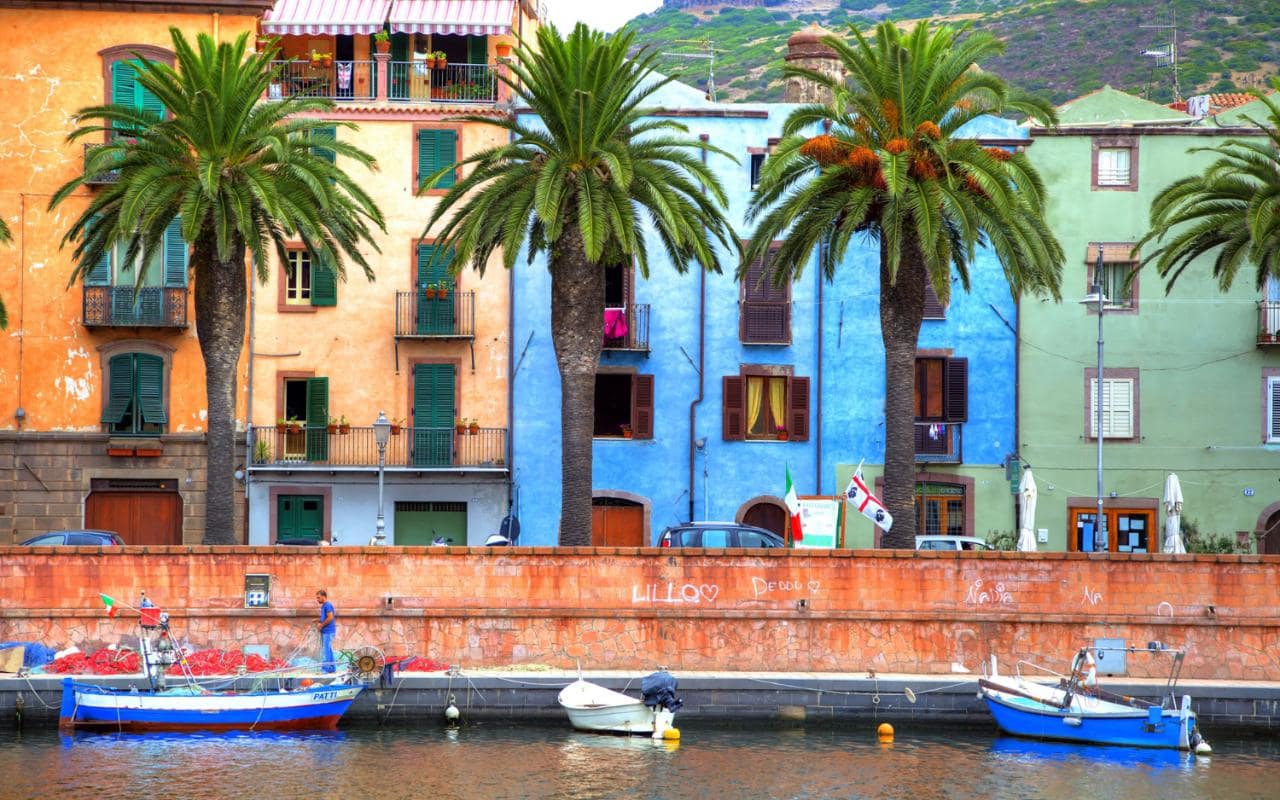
x: 143, y: 512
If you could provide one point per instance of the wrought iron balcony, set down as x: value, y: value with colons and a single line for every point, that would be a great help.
x: 289, y: 447
x: 101, y: 178
x: 421, y: 317
x: 340, y: 80
x: 938, y: 442
x: 148, y: 307
x: 627, y: 328
x: 416, y: 82
x: 1268, y: 323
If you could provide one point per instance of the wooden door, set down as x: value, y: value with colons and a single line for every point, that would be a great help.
x: 767, y: 516
x: 617, y: 526
x: 300, y: 516
x: 1124, y: 530
x: 1269, y: 542
x: 151, y: 518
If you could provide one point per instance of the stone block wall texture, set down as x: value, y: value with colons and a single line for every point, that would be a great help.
x: 634, y: 609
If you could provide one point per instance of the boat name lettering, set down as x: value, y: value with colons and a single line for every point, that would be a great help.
x: 692, y: 593
x: 760, y: 586
x: 325, y: 695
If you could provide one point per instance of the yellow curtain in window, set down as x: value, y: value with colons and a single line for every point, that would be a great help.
x: 755, y: 396
x: 778, y: 401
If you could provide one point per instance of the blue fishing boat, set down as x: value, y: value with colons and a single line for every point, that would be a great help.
x: 1077, y: 710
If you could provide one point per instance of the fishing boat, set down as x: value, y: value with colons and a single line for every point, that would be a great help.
x: 592, y: 707
x: 1077, y: 710
x: 191, y: 706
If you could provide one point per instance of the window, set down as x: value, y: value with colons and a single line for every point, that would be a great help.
x: 761, y: 404
x: 764, y: 309
x: 1119, y: 275
x: 941, y: 401
x: 1115, y: 163
x: 1119, y: 404
x: 135, y: 395
x: 436, y: 148
x: 1271, y: 385
x: 1124, y: 530
x: 624, y: 406
x: 297, y: 289
x: 757, y: 164
x: 305, y: 400
x: 940, y: 511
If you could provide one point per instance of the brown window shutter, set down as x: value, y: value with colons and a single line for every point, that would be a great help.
x: 957, y: 390
x: 799, y: 411
x: 1112, y: 252
x: 642, y: 407
x: 933, y: 307
x: 732, y: 410
x: 764, y: 310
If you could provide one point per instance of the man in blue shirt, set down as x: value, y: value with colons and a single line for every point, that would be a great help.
x: 328, y: 626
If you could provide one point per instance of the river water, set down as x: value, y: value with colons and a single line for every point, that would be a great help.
x: 493, y: 761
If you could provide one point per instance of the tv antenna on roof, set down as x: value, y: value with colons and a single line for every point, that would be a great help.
x: 709, y: 53
x: 1166, y: 55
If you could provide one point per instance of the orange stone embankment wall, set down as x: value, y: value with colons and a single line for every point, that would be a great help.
x: 612, y: 608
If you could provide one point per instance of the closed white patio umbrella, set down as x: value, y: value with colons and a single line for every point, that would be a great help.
x: 1027, y: 497
x: 1173, y: 515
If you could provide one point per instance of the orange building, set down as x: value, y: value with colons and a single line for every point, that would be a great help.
x: 102, y: 402
x: 429, y: 349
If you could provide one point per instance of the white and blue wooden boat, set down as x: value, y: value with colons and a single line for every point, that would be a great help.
x: 1076, y: 710
x: 92, y: 707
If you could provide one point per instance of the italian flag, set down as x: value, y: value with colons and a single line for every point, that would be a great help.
x: 111, y: 605
x: 793, y: 508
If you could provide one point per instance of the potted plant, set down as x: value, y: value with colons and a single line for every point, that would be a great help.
x: 626, y: 432
x: 282, y: 425
x: 782, y: 434
x: 473, y: 427
x: 297, y: 424
x: 441, y: 60
x: 460, y: 425
x: 382, y: 42
x: 396, y: 425
x: 344, y: 427
x: 332, y: 427
x: 504, y: 49
x: 261, y: 451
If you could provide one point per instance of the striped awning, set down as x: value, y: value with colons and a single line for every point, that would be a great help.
x: 325, y: 17
x: 474, y: 17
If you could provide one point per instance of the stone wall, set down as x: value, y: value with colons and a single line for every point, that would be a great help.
x: 617, y: 608
x: 45, y: 478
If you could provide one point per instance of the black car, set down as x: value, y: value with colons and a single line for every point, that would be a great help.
x: 718, y: 534
x: 76, y: 539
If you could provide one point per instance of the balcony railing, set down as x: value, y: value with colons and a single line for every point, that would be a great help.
x: 764, y: 322
x: 149, y: 307
x: 627, y: 328
x: 407, y: 449
x: 451, y: 317
x: 415, y: 82
x: 938, y: 442
x: 341, y: 80
x: 1268, y: 323
x: 101, y: 178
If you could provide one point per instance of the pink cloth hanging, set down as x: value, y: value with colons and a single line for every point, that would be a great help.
x: 615, y: 323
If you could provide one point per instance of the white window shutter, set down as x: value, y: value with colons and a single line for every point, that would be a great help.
x: 1273, y: 409
x: 1117, y: 408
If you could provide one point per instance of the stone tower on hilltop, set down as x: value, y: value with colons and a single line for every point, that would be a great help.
x: 805, y: 49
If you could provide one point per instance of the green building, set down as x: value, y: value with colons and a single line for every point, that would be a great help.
x: 1191, y: 378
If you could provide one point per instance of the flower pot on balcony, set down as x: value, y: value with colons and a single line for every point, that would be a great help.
x: 332, y: 429
x: 474, y: 428
x: 503, y: 50
x: 343, y: 430
x: 395, y: 430
x: 461, y: 428
x: 380, y: 46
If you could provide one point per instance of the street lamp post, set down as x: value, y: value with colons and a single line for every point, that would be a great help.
x: 1098, y: 299
x: 381, y: 435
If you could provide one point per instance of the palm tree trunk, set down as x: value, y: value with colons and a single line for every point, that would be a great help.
x: 901, y: 310
x: 220, y: 308
x: 577, y: 317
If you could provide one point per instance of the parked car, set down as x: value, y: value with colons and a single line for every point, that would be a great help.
x: 76, y: 539
x: 718, y: 534
x: 951, y: 543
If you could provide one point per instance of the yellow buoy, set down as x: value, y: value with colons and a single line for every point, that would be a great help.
x: 672, y: 734
x: 885, y: 732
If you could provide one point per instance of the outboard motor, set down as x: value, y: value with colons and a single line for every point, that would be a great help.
x: 659, y: 690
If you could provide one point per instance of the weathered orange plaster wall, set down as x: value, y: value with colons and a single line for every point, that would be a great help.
x: 49, y: 362
x: 633, y: 609
x: 353, y: 343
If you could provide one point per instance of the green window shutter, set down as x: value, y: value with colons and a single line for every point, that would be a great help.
x: 317, y: 419
x: 119, y: 388
x: 150, y: 370
x: 148, y: 101
x: 433, y: 414
x: 436, y: 149
x: 123, y: 83
x: 426, y: 157
x: 477, y: 49
x: 175, y: 255
x: 435, y: 316
x: 324, y: 283
x: 100, y: 273
x: 329, y: 134
x: 446, y: 153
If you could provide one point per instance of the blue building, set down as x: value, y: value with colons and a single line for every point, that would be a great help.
x: 710, y: 389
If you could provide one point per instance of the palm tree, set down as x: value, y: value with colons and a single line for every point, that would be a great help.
x: 1231, y: 208
x: 579, y: 187
x: 243, y: 175
x: 890, y: 167
x: 4, y: 315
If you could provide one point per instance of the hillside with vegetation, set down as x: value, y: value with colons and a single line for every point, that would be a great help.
x: 1058, y: 48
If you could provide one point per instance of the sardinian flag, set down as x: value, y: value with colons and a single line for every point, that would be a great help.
x: 866, y: 502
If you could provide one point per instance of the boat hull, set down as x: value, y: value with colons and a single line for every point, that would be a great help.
x: 1022, y: 716
x: 89, y: 707
x: 594, y: 708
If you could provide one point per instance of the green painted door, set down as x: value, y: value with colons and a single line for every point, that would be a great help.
x: 436, y: 315
x: 420, y: 523
x: 300, y: 516
x: 433, y: 413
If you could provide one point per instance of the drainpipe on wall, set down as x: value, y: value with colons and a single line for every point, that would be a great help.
x: 511, y: 380
x: 1017, y: 388
x: 702, y: 326
x: 817, y: 426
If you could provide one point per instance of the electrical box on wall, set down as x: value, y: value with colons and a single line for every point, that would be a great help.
x: 257, y: 591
